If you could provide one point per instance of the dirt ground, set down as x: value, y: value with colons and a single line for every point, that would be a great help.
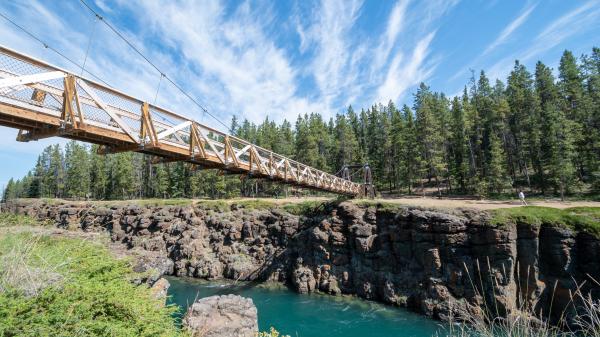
x: 487, y: 204
x: 430, y: 202
x: 426, y: 202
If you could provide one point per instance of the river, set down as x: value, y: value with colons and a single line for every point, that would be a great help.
x: 311, y: 315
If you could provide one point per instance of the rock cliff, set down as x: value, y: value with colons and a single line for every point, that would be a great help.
x: 432, y: 262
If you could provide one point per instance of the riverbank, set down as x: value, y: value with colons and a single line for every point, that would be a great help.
x: 310, y: 315
x: 56, y: 284
x: 425, y: 260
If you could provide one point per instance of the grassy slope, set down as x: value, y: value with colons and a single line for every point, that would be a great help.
x: 578, y: 218
x: 74, y: 288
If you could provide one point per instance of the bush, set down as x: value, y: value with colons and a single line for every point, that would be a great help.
x: 53, y: 286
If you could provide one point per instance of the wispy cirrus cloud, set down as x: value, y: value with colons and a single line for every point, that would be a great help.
x: 336, y: 51
x: 395, y: 25
x: 501, y: 39
x: 403, y: 74
x: 510, y: 28
x: 583, y: 18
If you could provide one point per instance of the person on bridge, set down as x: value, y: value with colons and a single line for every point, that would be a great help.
x: 522, y: 198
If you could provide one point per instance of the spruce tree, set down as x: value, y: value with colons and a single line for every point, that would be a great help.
x: 77, y: 169
x: 459, y: 150
x: 557, y: 132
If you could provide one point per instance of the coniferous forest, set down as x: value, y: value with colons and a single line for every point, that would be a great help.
x: 539, y: 131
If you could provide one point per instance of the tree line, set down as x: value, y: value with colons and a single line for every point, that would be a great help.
x: 533, y: 132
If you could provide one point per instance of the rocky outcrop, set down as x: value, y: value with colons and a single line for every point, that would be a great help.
x: 160, y: 288
x: 430, y: 261
x: 222, y: 316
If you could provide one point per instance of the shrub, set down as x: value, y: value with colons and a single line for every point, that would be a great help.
x: 69, y: 287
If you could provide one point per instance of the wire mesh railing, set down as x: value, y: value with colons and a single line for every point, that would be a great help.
x: 36, y: 86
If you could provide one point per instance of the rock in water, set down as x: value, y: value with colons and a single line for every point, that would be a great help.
x: 160, y: 288
x: 222, y: 316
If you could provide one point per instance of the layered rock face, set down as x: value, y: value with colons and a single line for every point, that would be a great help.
x: 430, y: 261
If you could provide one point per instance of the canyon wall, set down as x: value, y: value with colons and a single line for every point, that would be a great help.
x: 433, y: 262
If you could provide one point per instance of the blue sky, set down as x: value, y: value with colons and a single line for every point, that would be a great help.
x: 278, y: 59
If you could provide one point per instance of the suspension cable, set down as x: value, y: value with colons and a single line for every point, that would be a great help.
x: 158, y: 88
x: 47, y: 46
x: 116, y: 31
x: 87, y: 51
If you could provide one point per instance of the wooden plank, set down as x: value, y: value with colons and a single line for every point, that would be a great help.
x: 173, y: 129
x: 104, y: 107
x: 27, y: 79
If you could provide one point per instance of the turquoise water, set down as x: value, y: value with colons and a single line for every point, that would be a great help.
x: 311, y: 315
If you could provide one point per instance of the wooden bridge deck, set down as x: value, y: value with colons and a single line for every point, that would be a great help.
x: 43, y: 101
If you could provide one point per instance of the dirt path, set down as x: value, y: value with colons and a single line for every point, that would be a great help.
x: 485, y: 204
x: 427, y: 202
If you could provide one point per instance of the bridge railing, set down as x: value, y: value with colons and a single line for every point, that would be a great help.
x: 31, y: 84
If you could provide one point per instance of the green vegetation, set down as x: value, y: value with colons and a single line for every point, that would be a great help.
x: 579, y: 317
x: 578, y: 218
x: 271, y: 333
x: 51, y: 286
x: 10, y: 219
x: 533, y: 132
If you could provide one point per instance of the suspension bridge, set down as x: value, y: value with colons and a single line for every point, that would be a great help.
x: 42, y: 100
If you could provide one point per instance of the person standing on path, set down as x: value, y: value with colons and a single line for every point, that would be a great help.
x: 522, y: 198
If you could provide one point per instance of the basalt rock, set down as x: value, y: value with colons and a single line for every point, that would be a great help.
x: 430, y: 261
x: 222, y: 316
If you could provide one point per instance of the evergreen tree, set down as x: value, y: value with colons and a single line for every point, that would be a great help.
x: 577, y: 109
x: 54, y: 178
x: 459, y: 151
x: 98, y: 174
x: 557, y: 131
x: 410, y: 153
x: 497, y: 179
x: 522, y: 119
x: 345, y: 145
x: 429, y: 135
x: 396, y: 144
x: 77, y: 170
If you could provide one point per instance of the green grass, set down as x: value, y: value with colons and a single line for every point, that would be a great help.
x: 585, y: 219
x: 10, y: 220
x: 306, y: 208
x: 51, y: 286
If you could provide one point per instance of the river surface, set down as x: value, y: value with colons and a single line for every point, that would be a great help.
x: 310, y: 315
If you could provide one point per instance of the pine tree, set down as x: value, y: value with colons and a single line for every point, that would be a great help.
x: 54, y: 178
x: 556, y: 130
x: 98, y: 174
x: 345, y: 146
x: 410, y: 153
x: 429, y: 135
x: 591, y: 64
x: 9, y: 191
x: 459, y: 151
x: 496, y: 173
x: 577, y: 109
x: 120, y: 177
x: 522, y: 119
x: 160, y: 182
x: 396, y: 144
x: 77, y: 168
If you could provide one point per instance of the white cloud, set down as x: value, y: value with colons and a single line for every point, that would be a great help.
x: 578, y: 20
x: 582, y: 18
x: 402, y: 75
x: 501, y: 39
x: 332, y: 67
x: 395, y: 25
x: 510, y: 28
